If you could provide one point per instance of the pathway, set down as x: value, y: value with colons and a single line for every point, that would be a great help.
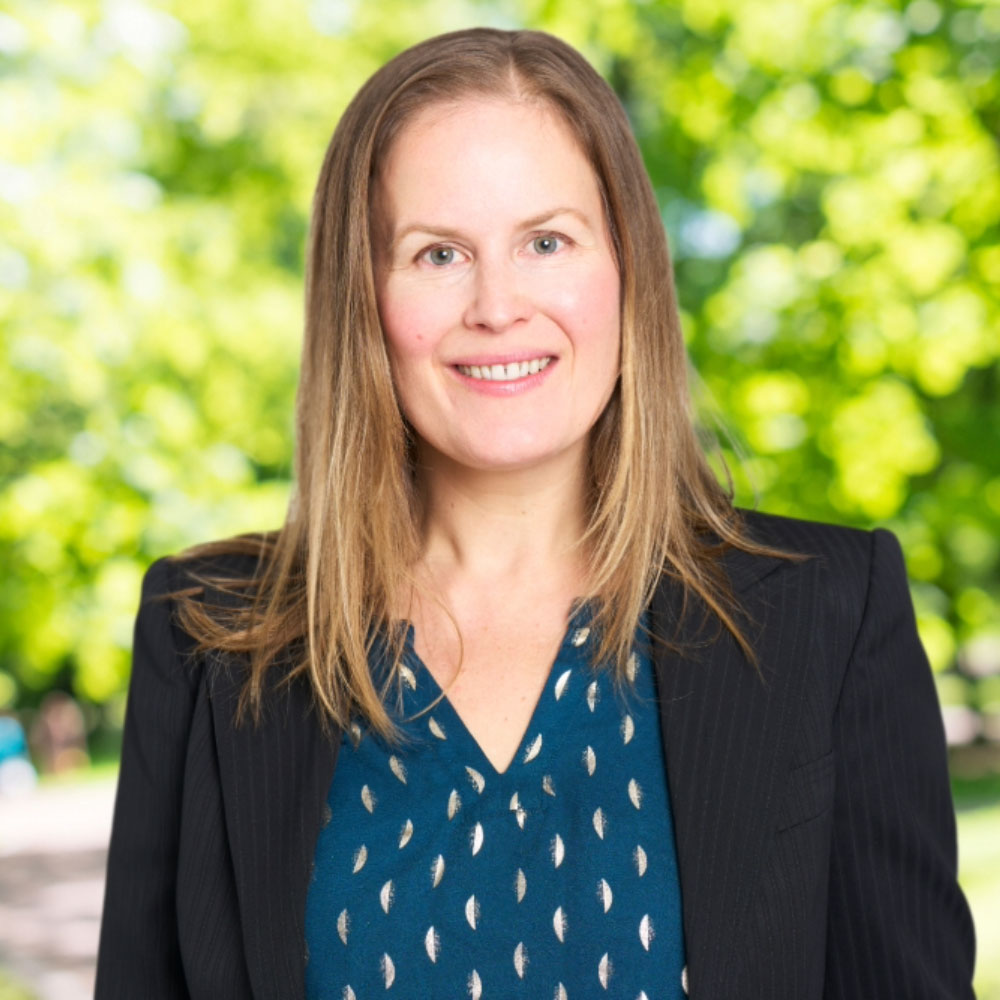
x: 53, y: 844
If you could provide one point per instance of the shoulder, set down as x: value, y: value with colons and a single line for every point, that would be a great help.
x: 838, y: 568
x: 205, y: 572
x: 803, y: 538
x: 838, y: 555
x: 208, y: 582
x: 826, y: 573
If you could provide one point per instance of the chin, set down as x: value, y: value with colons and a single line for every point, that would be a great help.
x: 511, y: 457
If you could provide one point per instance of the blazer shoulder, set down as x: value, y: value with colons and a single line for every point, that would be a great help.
x: 838, y: 561
x: 837, y: 583
x: 214, y: 579
x: 240, y: 558
x: 798, y: 537
x: 213, y: 573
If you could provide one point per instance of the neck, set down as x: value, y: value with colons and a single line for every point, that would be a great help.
x: 508, y: 525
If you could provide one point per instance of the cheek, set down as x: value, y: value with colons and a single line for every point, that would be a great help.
x: 591, y: 311
x: 604, y: 296
x: 597, y: 338
x: 413, y: 323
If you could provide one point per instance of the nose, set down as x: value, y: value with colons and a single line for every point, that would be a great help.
x: 498, y: 300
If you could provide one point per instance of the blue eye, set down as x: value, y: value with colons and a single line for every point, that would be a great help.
x: 545, y: 244
x: 440, y: 256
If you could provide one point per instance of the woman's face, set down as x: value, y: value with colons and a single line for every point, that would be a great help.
x: 497, y: 285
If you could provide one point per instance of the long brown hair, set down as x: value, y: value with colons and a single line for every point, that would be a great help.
x: 325, y: 582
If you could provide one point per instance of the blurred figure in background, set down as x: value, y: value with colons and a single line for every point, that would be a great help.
x: 17, y: 774
x: 59, y: 734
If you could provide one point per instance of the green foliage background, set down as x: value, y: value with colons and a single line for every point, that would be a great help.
x: 828, y: 173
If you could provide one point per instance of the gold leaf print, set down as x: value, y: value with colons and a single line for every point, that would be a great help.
x: 355, y: 739
x: 590, y: 760
x: 349, y: 994
x: 432, y: 944
x: 600, y: 822
x: 580, y: 636
x: 604, y: 894
x: 385, y: 896
x: 367, y: 798
x: 593, y: 695
x: 561, y: 684
x: 642, y: 995
x: 478, y: 781
x: 639, y: 857
x: 646, y: 933
x: 343, y: 925
x: 477, y: 838
x: 684, y: 979
x: 475, y: 986
x: 397, y: 768
x: 360, y: 857
x: 435, y: 727
x: 635, y: 793
x: 409, y: 678
x: 632, y: 667
x: 405, y: 834
x: 558, y: 851
x: 388, y: 970
x: 532, y: 752
x: 454, y: 803
x: 547, y: 785
x: 437, y: 870
x: 628, y: 729
x: 472, y: 911
x: 520, y: 959
x: 520, y: 885
x: 559, y: 924
x: 560, y: 993
x: 605, y: 970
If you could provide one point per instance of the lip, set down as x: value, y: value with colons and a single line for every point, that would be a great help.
x: 503, y: 389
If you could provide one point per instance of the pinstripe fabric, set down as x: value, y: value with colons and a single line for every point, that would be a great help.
x: 814, y: 823
x: 815, y: 831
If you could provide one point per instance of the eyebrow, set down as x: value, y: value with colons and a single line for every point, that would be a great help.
x: 449, y: 234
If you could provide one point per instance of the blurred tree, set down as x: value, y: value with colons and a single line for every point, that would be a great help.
x: 828, y: 173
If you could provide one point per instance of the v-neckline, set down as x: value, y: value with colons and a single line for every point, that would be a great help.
x: 574, y: 640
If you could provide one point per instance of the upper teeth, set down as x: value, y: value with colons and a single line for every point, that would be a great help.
x: 505, y: 373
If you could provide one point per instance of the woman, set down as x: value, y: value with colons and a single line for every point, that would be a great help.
x: 516, y: 703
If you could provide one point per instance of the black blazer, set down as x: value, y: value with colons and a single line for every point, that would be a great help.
x: 814, y: 824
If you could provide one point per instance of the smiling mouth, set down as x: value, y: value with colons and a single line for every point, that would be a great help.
x: 505, y: 373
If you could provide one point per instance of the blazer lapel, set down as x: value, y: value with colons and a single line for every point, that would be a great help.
x: 275, y: 777
x: 725, y: 730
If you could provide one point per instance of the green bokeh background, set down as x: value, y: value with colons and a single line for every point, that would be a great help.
x: 828, y: 175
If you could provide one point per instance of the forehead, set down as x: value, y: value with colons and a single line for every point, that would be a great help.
x: 479, y: 151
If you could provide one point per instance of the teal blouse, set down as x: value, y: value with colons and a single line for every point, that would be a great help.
x: 439, y: 876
